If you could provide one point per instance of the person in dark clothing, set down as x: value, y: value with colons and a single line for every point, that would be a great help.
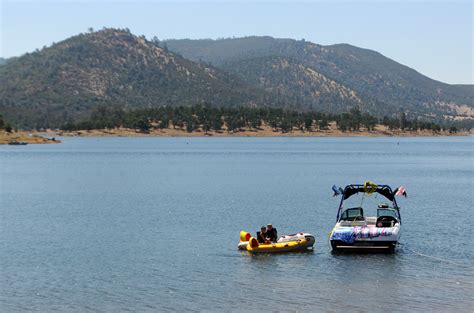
x: 262, y: 235
x: 272, y: 234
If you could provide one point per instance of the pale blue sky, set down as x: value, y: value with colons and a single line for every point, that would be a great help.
x: 434, y: 37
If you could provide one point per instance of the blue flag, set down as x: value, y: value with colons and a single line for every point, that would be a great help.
x: 337, y: 190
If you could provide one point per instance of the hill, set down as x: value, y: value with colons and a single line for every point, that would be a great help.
x: 289, y: 79
x: 383, y: 86
x: 112, y: 68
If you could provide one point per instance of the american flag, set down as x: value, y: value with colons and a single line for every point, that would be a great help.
x: 401, y: 191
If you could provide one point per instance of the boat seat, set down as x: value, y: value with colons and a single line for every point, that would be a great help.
x: 386, y: 221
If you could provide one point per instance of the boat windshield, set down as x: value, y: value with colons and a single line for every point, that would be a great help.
x: 353, y: 214
x: 387, y: 212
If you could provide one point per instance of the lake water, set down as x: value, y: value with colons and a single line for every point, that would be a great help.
x: 108, y: 224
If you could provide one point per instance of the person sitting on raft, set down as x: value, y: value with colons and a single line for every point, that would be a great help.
x: 262, y: 235
x: 272, y: 234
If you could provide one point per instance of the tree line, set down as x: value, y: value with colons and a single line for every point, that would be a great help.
x: 5, y: 125
x: 209, y: 118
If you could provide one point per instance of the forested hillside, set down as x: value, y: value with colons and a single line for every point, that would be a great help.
x: 65, y: 82
x: 112, y: 68
x: 383, y: 85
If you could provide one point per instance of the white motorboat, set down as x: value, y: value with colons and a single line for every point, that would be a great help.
x: 355, y: 231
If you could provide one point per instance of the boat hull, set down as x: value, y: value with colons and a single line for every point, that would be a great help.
x: 365, y: 238
x: 367, y: 246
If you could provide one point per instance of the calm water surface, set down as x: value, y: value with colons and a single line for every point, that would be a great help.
x: 107, y: 224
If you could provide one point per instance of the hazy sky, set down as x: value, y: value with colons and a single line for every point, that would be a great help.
x: 434, y: 37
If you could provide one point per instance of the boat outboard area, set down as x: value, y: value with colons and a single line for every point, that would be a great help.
x: 368, y: 218
x: 287, y: 243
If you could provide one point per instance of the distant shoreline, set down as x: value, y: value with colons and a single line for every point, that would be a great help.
x: 48, y: 136
x: 379, y: 131
x: 25, y: 137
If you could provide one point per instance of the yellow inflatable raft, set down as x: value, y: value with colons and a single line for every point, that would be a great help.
x: 291, y: 243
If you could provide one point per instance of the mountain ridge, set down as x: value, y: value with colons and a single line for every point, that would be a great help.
x: 113, y: 68
x: 366, y: 71
x: 65, y: 82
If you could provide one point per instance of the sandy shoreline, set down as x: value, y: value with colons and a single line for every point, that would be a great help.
x: 45, y: 137
x: 27, y: 137
x: 332, y: 131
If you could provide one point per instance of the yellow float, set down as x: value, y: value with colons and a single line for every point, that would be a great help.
x: 288, y: 243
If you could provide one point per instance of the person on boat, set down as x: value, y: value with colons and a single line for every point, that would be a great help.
x: 272, y: 234
x: 262, y: 235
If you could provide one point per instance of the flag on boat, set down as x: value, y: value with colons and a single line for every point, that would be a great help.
x: 337, y: 190
x: 401, y: 191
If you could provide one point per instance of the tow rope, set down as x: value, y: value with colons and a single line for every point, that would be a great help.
x: 436, y: 258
